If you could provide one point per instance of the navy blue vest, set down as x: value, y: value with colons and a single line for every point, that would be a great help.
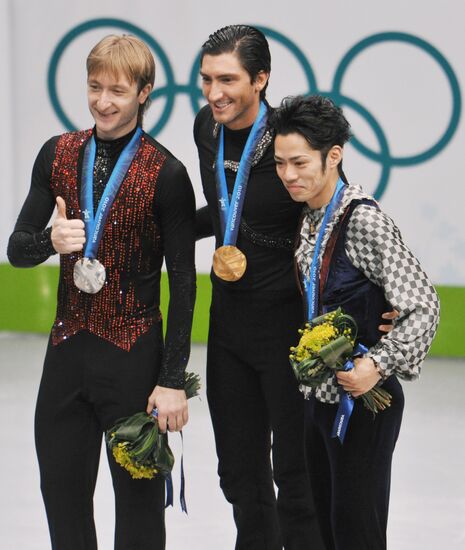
x: 347, y: 287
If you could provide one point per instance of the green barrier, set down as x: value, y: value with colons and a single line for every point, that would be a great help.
x: 28, y: 298
x: 27, y: 304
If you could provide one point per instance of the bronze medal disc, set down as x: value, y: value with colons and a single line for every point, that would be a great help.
x: 229, y: 263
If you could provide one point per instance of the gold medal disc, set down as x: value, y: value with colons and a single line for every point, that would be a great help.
x: 229, y: 263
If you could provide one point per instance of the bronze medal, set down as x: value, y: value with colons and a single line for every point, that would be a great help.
x: 229, y: 263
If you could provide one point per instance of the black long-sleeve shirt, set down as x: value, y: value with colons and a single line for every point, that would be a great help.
x: 269, y: 214
x: 174, y: 212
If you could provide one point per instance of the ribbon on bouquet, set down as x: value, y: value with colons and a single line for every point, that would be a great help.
x: 169, y: 478
x: 346, y: 402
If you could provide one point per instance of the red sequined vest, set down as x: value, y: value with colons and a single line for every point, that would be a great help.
x: 130, y: 249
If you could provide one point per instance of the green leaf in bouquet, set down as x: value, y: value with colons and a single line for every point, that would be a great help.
x: 346, y: 324
x: 325, y: 318
x: 128, y: 429
x: 162, y: 455
x: 336, y: 351
x: 191, y: 384
x: 309, y: 363
x: 143, y: 446
x: 314, y: 381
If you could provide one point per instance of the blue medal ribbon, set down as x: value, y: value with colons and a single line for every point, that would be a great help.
x: 230, y: 214
x: 311, y: 286
x: 94, y: 224
x: 346, y: 402
x: 311, y: 283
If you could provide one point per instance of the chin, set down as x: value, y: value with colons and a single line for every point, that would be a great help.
x: 297, y: 198
x: 221, y: 118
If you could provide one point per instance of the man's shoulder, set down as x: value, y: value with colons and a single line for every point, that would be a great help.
x: 69, y: 139
x: 65, y: 141
x: 203, y: 121
x: 75, y: 135
x: 204, y: 114
x: 161, y: 149
x: 171, y: 167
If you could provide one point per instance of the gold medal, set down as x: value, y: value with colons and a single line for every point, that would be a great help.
x: 229, y: 263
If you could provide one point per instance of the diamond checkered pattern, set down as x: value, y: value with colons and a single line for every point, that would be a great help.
x: 375, y: 246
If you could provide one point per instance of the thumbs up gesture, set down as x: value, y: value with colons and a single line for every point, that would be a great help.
x: 67, y: 235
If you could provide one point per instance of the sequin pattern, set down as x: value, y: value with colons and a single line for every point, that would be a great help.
x: 262, y: 146
x: 130, y: 248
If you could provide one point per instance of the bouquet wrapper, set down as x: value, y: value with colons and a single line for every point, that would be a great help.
x: 139, y: 447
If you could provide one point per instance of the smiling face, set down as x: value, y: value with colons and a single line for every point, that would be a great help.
x: 302, y: 171
x: 233, y: 98
x: 114, y: 103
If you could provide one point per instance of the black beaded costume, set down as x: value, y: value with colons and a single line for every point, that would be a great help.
x: 106, y: 351
x: 252, y: 392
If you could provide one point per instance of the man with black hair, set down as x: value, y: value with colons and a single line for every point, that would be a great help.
x: 256, y: 311
x: 351, y: 256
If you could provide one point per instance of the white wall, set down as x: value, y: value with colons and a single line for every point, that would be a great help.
x: 400, y: 84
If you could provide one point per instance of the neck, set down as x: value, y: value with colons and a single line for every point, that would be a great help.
x: 102, y: 137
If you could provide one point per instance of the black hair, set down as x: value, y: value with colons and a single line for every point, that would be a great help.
x: 316, y: 118
x: 250, y: 45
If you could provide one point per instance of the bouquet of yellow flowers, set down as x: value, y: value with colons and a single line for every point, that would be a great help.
x: 327, y: 344
x: 139, y: 446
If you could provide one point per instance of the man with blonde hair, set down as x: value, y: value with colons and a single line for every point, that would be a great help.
x: 124, y: 203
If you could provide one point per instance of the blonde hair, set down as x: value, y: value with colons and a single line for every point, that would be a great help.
x: 124, y: 54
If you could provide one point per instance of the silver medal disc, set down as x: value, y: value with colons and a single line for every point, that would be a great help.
x: 89, y: 275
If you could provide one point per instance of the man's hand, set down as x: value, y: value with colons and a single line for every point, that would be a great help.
x: 391, y: 315
x: 67, y: 235
x: 361, y: 378
x: 172, y: 408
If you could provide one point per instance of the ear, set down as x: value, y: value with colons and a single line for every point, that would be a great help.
x: 260, y: 80
x: 144, y: 93
x: 334, y: 156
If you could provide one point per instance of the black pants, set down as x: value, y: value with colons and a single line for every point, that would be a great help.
x: 252, y: 393
x: 87, y: 384
x: 351, y: 482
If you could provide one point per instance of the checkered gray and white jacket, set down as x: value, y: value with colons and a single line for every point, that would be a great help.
x: 374, y: 245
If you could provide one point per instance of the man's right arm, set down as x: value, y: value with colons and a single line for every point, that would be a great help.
x: 31, y: 243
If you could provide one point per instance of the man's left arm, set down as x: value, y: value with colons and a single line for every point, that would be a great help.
x: 175, y: 214
x: 375, y: 246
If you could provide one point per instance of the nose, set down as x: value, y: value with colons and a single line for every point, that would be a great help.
x: 214, y: 91
x: 103, y: 100
x: 289, y: 174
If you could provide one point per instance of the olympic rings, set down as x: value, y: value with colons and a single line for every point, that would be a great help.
x: 172, y: 89
x: 444, y: 65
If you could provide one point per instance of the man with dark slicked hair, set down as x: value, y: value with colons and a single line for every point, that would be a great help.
x: 256, y: 308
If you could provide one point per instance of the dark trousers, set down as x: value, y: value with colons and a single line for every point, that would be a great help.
x: 252, y: 393
x: 351, y: 482
x: 87, y: 384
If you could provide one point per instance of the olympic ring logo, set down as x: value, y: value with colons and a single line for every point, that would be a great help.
x: 171, y: 89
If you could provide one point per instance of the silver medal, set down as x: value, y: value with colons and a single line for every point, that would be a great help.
x: 89, y: 275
